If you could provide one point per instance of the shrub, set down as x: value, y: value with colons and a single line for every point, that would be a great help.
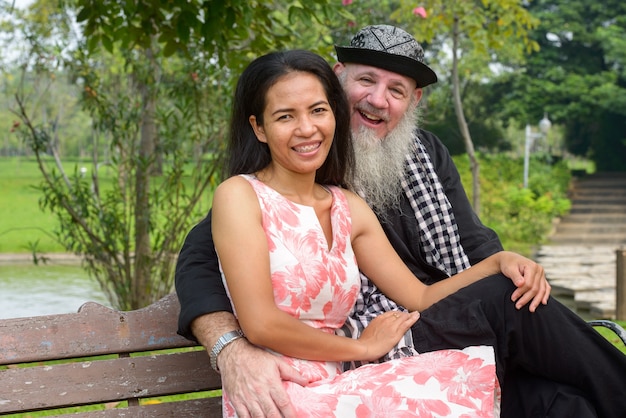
x: 522, y: 217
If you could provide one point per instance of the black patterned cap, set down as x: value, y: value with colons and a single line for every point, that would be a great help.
x: 389, y: 48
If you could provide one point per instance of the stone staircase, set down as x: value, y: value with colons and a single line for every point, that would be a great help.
x: 580, y: 256
x: 598, y: 214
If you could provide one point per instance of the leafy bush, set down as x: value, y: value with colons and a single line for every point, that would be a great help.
x: 522, y: 217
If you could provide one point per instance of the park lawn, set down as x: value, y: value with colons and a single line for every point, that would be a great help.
x: 612, y: 337
x: 22, y: 222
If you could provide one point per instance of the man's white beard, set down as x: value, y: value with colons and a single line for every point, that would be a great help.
x: 380, y: 163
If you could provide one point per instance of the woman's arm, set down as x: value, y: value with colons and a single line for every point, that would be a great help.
x: 242, y: 246
x: 378, y: 260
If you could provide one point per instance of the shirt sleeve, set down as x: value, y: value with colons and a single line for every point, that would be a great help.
x: 478, y: 241
x: 198, y: 279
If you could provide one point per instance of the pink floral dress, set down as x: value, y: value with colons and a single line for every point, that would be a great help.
x: 319, y: 285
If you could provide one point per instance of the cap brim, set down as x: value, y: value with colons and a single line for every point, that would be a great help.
x: 421, y: 73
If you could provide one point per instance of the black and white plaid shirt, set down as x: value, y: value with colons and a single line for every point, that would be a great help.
x: 439, y: 238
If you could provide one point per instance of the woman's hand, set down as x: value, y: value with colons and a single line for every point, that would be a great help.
x: 384, y: 332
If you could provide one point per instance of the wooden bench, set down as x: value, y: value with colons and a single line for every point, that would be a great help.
x: 43, y: 364
x: 99, y: 356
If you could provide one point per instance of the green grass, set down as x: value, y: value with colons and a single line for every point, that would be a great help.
x: 22, y: 222
x: 612, y: 337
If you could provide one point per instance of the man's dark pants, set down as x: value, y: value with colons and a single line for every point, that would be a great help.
x: 550, y: 363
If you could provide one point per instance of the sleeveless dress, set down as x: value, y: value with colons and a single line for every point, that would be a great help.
x: 319, y: 286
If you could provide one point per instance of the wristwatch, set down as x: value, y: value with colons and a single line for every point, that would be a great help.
x: 222, y: 342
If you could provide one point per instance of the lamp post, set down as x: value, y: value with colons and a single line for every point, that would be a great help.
x: 544, y: 127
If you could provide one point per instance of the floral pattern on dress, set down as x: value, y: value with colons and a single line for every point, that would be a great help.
x: 319, y: 286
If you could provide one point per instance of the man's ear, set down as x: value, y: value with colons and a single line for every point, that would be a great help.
x: 418, y: 94
x: 338, y: 68
x: 258, y: 129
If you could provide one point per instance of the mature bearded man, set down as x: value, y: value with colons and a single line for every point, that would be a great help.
x: 408, y: 177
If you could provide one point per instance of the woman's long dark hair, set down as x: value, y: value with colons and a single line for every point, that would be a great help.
x: 246, y: 154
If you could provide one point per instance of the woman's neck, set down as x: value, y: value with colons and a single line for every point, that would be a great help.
x: 299, y: 188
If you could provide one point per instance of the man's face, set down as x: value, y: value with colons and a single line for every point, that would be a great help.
x: 378, y: 98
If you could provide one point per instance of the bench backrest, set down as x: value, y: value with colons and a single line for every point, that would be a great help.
x: 126, y: 366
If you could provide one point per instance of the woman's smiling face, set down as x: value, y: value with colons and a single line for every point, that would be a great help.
x: 298, y: 123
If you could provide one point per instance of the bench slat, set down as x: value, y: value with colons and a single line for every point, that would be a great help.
x: 199, y: 408
x: 100, y: 381
x: 94, y: 330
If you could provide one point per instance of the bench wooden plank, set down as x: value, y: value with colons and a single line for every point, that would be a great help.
x: 94, y: 330
x: 89, y: 382
x: 198, y: 408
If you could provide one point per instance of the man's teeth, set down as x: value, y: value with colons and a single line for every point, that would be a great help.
x: 371, y: 117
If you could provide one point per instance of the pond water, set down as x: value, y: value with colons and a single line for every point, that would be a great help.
x: 29, y: 290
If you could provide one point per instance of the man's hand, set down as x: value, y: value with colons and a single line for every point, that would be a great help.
x: 530, y: 279
x: 252, y: 378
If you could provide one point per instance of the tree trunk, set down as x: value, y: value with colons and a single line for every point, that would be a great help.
x: 141, y: 287
x: 460, y: 116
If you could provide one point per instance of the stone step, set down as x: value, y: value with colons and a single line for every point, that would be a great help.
x: 598, y: 222
x: 597, y: 208
x: 593, y: 190
x: 617, y: 240
x: 609, y: 218
x: 611, y: 232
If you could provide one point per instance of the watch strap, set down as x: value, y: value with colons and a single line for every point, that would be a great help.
x: 222, y: 342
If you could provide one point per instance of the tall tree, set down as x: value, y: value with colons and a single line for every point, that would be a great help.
x: 156, y: 77
x: 474, y: 34
x: 578, y: 76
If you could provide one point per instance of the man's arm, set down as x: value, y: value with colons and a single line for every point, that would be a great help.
x: 251, y: 376
x: 198, y: 279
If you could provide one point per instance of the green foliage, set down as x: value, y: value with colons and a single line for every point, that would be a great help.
x: 228, y: 30
x: 487, y: 133
x: 487, y: 27
x: 523, y: 218
x: 578, y: 76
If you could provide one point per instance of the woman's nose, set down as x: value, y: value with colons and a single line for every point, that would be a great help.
x: 306, y: 127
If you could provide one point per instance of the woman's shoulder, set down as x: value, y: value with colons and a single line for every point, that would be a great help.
x: 235, y: 186
x: 237, y: 181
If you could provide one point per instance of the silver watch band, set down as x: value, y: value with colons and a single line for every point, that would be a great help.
x: 222, y: 342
